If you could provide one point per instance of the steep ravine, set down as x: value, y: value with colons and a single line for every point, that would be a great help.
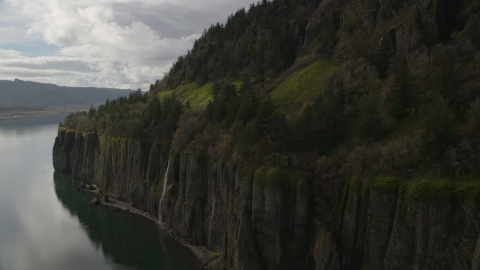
x: 278, y: 218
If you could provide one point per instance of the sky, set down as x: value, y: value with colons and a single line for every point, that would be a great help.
x: 102, y: 43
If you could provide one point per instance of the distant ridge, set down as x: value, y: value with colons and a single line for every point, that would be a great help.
x: 34, y: 94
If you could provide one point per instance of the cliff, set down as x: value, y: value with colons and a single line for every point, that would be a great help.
x: 346, y: 94
x: 278, y: 218
x: 254, y: 222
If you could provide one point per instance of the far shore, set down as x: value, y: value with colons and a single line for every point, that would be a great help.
x: 46, y: 111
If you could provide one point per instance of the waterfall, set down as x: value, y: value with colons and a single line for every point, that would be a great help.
x: 213, y: 210
x: 306, y: 35
x: 160, y: 216
x: 210, y: 237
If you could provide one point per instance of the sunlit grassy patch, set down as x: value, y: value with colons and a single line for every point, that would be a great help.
x: 197, y: 96
x: 303, y: 84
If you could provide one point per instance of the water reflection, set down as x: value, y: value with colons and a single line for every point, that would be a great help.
x: 127, y: 239
x: 45, y: 224
x: 35, y: 231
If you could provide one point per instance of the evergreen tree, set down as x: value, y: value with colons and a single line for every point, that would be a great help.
x: 401, y: 94
x: 246, y: 111
x: 437, y: 133
x: 368, y: 121
x: 449, y: 83
x: 264, y: 111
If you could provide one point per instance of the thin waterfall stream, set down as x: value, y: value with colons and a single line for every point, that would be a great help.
x: 160, y: 216
x: 213, y: 213
x: 306, y: 35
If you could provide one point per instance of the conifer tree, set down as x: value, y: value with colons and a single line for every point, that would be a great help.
x: 437, y: 134
x: 449, y: 83
x: 401, y: 94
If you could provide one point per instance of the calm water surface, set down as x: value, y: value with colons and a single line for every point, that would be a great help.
x: 45, y: 224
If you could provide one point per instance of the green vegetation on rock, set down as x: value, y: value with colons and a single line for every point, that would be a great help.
x: 286, y: 80
x: 302, y: 85
x: 350, y: 123
x: 197, y: 97
x: 278, y: 177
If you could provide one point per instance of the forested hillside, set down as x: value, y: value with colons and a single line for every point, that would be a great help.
x: 353, y: 87
x: 306, y: 135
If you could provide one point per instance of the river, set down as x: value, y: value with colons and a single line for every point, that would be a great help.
x: 46, y: 224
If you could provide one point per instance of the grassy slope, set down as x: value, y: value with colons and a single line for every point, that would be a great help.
x: 301, y: 85
x: 197, y: 96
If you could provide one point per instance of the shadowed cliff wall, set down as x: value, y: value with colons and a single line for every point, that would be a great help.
x: 277, y: 218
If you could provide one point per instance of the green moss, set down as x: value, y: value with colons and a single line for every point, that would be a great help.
x: 76, y: 133
x: 119, y: 140
x: 442, y: 189
x: 303, y: 84
x: 278, y: 177
x: 432, y: 190
x: 246, y: 171
x: 213, y: 255
x: 428, y: 189
x: 386, y: 184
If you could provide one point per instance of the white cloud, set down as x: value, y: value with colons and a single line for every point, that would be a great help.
x: 110, y: 43
x: 10, y: 54
x: 14, y: 64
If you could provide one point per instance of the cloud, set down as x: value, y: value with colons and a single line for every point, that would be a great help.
x: 48, y: 63
x: 10, y: 54
x: 110, y: 43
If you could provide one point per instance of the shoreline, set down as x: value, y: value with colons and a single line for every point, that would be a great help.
x: 47, y: 111
x: 200, y: 252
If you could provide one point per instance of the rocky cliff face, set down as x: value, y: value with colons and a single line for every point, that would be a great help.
x: 281, y: 218
x: 394, y: 224
x: 255, y: 224
x: 408, y: 25
x: 275, y: 218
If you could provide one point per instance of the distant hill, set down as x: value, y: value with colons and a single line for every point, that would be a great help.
x: 32, y: 94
